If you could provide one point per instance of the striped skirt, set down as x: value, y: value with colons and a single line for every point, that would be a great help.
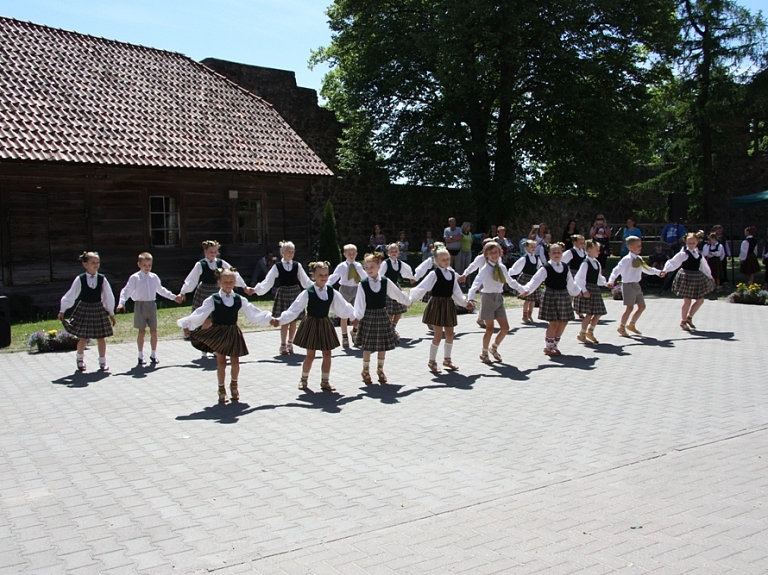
x: 89, y: 320
x: 223, y: 339
x: 692, y: 284
x: 592, y: 305
x: 203, y: 292
x: 375, y: 332
x: 284, y: 298
x: 535, y: 294
x: 395, y: 307
x: 316, y: 333
x: 556, y: 305
x: 440, y: 311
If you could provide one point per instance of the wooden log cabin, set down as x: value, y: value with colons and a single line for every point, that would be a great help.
x: 120, y: 149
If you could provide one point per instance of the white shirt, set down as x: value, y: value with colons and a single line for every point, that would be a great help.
x: 581, y: 275
x: 193, y: 279
x: 490, y: 285
x: 541, y: 275
x: 426, y: 286
x: 714, y: 251
x: 517, y: 267
x: 628, y: 273
x: 250, y: 311
x: 743, y: 252
x: 266, y: 285
x: 476, y: 264
x: 678, y: 259
x: 144, y: 287
x: 339, y: 306
x: 107, y: 297
x: 568, y: 254
x: 393, y: 291
x: 341, y: 273
x: 404, y: 269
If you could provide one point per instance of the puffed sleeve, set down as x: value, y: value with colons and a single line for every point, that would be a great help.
x: 198, y: 317
x: 69, y: 298
x: 476, y: 264
x: 128, y: 290
x: 397, y: 294
x: 360, y: 304
x: 336, y: 275
x: 517, y: 267
x: 254, y: 314
x: 581, y: 276
x: 341, y: 308
x: 676, y: 261
x: 303, y: 277
x: 423, y: 288
x: 458, y: 295
x: 573, y: 289
x: 537, y: 279
x: 704, y: 267
x: 406, y: 271
x: 108, y: 297
x: 192, y: 279
x: 266, y: 284
x: 239, y: 281
x: 423, y: 268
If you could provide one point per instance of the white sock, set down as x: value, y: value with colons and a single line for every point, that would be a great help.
x: 153, y: 353
x: 80, y: 356
x: 448, y: 348
x: 102, y: 360
x: 141, y: 355
x: 433, y: 351
x: 325, y: 375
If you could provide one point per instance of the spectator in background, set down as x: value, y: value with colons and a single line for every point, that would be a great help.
x: 505, y: 244
x: 402, y: 245
x: 452, y: 238
x: 263, y: 265
x: 426, y: 245
x: 630, y: 230
x: 377, y: 242
x: 718, y: 229
x: 570, y: 230
x: 601, y: 233
x: 465, y: 255
x: 492, y: 232
x: 673, y: 234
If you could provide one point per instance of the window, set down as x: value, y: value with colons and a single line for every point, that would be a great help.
x: 163, y: 221
x: 250, y: 225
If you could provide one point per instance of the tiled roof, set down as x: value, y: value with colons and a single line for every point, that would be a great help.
x: 69, y: 97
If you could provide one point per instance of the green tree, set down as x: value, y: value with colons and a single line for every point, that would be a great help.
x: 501, y: 97
x: 328, y: 249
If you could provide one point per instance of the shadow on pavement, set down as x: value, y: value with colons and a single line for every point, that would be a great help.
x: 223, y: 412
x: 79, y: 379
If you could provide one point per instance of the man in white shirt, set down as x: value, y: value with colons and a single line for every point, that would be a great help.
x: 452, y: 236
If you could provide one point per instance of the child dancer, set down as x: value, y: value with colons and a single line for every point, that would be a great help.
x: 631, y: 269
x: 556, y: 306
x: 748, y: 255
x: 693, y: 281
x: 588, y: 279
x: 492, y: 278
x: 316, y: 330
x: 525, y: 268
x: 714, y: 252
x: 394, y: 269
x: 348, y: 273
x: 375, y: 331
x: 440, y: 311
x: 293, y: 279
x: 574, y: 257
x: 224, y: 336
x: 143, y: 287
x: 94, y: 313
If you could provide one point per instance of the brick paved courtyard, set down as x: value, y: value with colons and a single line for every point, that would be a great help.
x: 638, y: 455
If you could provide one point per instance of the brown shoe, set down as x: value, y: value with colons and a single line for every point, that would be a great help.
x: 366, y: 375
x: 432, y: 365
x: 233, y: 391
x: 325, y: 386
x: 631, y: 327
x: 622, y: 331
x: 382, y: 377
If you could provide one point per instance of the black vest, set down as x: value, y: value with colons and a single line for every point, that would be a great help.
x: 691, y: 263
x: 375, y: 300
x: 317, y: 307
x: 556, y: 280
x: 530, y: 268
x: 442, y: 287
x: 592, y: 272
x: 576, y: 260
x: 752, y: 242
x: 87, y: 294
x: 290, y: 278
x: 208, y: 276
x: 223, y: 315
x: 393, y: 274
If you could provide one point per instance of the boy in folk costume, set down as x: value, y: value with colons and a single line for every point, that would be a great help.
x: 348, y: 273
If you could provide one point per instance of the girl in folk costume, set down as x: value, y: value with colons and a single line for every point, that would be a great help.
x: 693, y: 281
x: 749, y: 265
x: 224, y: 336
x: 492, y: 278
x: 94, y: 313
x: 292, y: 279
x: 348, y: 273
x: 394, y: 269
x: 316, y: 331
x: 375, y: 331
x: 441, y: 311
x: 574, y: 257
x: 714, y: 252
x: 525, y: 268
x: 556, y: 307
x: 588, y: 279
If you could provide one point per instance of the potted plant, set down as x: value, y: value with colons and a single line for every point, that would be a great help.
x: 52, y: 340
x: 750, y: 294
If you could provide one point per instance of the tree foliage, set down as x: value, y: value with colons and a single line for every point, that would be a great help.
x: 328, y: 248
x: 501, y: 97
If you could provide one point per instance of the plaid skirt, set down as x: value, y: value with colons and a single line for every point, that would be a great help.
x: 440, y: 311
x: 556, y: 305
x: 203, y: 292
x: 349, y: 293
x: 224, y: 339
x: 284, y: 298
x: 394, y: 307
x: 750, y: 265
x: 316, y: 333
x: 523, y: 279
x: 89, y: 320
x: 692, y: 284
x: 375, y: 332
x: 592, y: 305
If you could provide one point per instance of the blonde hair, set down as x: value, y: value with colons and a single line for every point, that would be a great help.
x: 286, y: 245
x: 576, y: 237
x: 490, y: 246
x: 393, y: 245
x: 348, y: 247
x: 556, y: 246
x: 318, y: 266
x: 85, y: 256
x: 374, y: 257
x: 589, y: 244
x: 439, y: 249
x: 221, y: 272
x: 632, y: 240
x: 210, y: 244
x: 144, y: 256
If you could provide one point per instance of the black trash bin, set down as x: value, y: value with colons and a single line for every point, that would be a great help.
x: 5, y: 322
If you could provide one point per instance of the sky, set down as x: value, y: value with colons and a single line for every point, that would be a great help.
x: 272, y: 33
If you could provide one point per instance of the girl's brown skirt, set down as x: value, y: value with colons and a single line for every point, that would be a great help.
x: 592, y: 305
x: 89, y: 320
x: 224, y: 339
x: 375, y: 332
x: 556, y: 305
x: 316, y: 333
x: 750, y: 265
x: 692, y: 284
x: 440, y: 311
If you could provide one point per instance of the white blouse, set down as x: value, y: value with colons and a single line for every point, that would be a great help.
x: 426, y: 286
x: 541, y: 275
x: 678, y: 259
x: 485, y: 280
x: 581, y: 275
x: 404, y: 269
x: 393, y: 291
x: 339, y: 306
x: 250, y: 311
x: 269, y: 281
x: 193, y: 279
x: 107, y: 297
x: 517, y: 267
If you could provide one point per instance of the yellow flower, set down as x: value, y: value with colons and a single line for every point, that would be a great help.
x: 52, y: 333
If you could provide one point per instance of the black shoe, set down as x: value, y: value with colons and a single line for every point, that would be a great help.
x: 153, y: 360
x: 142, y: 361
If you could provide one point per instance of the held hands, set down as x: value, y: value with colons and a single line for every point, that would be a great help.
x: 585, y: 294
x: 462, y: 279
x: 249, y: 290
x: 120, y: 308
x: 186, y: 331
x: 662, y: 274
x: 274, y: 322
x: 523, y: 295
x: 112, y: 320
x: 609, y: 285
x: 179, y: 298
x: 470, y: 305
x: 355, y: 323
